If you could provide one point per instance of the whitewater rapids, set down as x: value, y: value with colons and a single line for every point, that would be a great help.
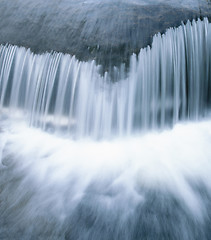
x: 57, y: 188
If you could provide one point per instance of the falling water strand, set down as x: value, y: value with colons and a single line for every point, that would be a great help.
x: 166, y: 83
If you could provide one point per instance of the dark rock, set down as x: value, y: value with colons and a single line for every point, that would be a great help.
x: 108, y: 31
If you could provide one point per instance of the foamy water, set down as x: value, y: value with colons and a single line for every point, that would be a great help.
x: 48, y: 178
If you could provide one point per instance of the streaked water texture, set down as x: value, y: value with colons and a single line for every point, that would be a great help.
x: 163, y: 85
x: 108, y: 173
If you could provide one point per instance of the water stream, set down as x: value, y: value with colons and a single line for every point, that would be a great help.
x: 163, y: 85
x: 115, y: 156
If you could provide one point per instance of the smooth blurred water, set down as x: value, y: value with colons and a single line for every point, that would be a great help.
x: 114, y: 169
x: 164, y: 84
x: 152, y: 186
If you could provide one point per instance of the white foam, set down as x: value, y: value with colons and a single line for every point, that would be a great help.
x: 171, y: 161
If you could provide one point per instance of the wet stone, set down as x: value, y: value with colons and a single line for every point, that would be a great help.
x: 107, y: 31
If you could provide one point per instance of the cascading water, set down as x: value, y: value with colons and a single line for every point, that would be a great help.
x: 166, y: 83
x: 131, y: 187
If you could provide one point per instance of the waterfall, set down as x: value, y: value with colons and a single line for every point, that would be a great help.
x: 166, y: 83
x: 155, y: 185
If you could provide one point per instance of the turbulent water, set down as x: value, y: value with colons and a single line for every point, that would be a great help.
x: 108, y: 173
x: 164, y: 84
x: 152, y: 187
